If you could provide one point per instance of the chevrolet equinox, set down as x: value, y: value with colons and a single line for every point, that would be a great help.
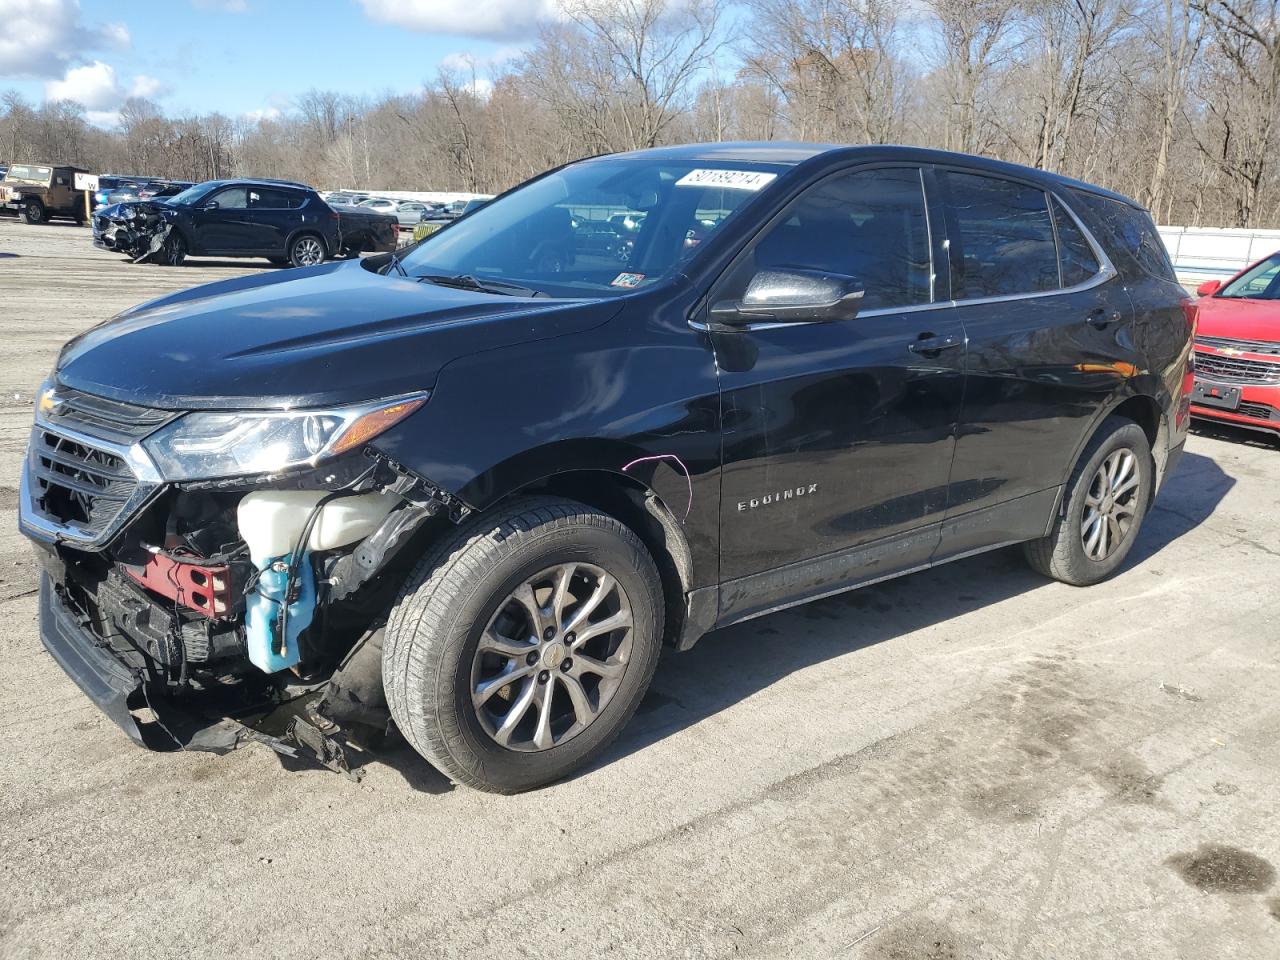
x: 473, y: 487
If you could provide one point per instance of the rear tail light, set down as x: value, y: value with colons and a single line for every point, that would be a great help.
x: 1191, y: 312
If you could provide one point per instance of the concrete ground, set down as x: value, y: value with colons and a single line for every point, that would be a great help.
x: 969, y: 762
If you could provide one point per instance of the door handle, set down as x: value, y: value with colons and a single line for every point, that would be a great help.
x: 930, y: 344
x: 1099, y: 319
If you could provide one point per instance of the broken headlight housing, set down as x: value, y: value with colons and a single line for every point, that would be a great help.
x: 208, y: 445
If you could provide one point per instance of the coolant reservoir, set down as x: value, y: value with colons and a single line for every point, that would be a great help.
x: 271, y: 521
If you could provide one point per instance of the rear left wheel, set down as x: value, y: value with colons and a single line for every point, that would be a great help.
x: 1107, y: 500
x: 521, y: 646
x: 306, y: 251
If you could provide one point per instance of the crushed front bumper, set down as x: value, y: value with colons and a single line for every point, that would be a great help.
x: 151, y: 720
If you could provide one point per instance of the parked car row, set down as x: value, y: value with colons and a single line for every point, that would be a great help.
x: 286, y: 222
x: 114, y: 188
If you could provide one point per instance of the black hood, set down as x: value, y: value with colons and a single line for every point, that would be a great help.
x: 331, y: 334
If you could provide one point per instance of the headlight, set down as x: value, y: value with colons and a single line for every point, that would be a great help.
x: 209, y: 445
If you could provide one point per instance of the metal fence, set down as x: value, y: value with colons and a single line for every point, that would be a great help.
x: 1215, y: 253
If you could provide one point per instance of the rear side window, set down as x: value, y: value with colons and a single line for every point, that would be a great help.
x: 1076, y: 256
x: 869, y: 225
x: 1129, y: 231
x: 1006, y: 241
x: 268, y: 199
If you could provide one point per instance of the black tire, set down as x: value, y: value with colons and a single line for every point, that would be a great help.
x: 1062, y: 555
x: 173, y: 251
x: 33, y: 211
x: 301, y: 250
x: 432, y: 638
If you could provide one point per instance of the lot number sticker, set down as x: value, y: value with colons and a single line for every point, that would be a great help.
x: 752, y: 180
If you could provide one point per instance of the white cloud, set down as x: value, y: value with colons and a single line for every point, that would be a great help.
x: 41, y: 38
x: 469, y: 18
x: 96, y: 87
x: 476, y: 62
x: 264, y: 113
x: 103, y: 118
x: 145, y: 86
x: 227, y: 6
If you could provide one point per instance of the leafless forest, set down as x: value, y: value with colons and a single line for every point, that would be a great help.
x: 1173, y: 102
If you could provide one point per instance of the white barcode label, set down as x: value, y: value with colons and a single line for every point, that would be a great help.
x: 728, y: 179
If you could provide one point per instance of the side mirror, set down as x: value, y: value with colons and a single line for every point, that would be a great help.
x: 792, y: 296
x: 1209, y: 288
x: 209, y: 205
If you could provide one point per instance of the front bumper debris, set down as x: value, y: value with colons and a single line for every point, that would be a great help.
x: 135, y: 703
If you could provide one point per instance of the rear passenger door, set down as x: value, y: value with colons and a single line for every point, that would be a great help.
x: 273, y: 214
x: 1049, y: 329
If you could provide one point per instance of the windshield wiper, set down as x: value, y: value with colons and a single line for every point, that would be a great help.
x: 466, y: 281
x: 395, y: 262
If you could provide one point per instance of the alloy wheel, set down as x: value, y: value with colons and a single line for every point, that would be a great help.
x: 1111, y: 504
x: 308, y: 252
x: 552, y: 657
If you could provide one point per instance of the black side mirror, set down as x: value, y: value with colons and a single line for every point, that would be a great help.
x: 209, y: 205
x: 792, y: 296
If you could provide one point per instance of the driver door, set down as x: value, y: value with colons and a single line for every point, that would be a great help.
x: 220, y: 222
x: 838, y: 436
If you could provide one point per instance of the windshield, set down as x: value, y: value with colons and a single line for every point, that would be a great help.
x: 554, y: 235
x: 1260, y: 282
x: 190, y: 195
x: 27, y: 173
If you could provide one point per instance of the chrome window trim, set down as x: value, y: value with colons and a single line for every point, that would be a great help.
x: 1106, y: 272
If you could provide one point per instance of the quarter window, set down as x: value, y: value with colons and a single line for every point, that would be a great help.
x: 1006, y: 244
x: 869, y: 225
x: 1076, y: 256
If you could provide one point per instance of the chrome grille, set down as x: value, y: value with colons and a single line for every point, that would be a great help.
x: 109, y: 419
x: 74, y: 483
x: 1260, y: 411
x: 86, y: 472
x: 1248, y: 346
x: 1226, y: 369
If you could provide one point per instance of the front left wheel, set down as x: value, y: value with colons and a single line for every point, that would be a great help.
x: 521, y: 646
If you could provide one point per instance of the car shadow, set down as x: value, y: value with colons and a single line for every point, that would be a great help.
x: 730, y: 665
x: 1221, y: 430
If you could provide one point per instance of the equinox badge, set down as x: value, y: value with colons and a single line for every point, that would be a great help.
x: 772, y: 498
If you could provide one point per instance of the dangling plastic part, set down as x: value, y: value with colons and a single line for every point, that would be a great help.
x: 268, y: 651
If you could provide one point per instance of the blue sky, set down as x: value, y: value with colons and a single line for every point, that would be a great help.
x: 247, y: 56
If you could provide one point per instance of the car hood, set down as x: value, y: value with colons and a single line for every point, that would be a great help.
x: 123, y: 209
x: 325, y: 335
x: 1238, y: 319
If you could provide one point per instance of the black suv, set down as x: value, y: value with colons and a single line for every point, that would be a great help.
x: 492, y: 489
x: 283, y: 221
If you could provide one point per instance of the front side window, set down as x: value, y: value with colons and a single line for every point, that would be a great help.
x: 1259, y: 282
x: 233, y: 198
x: 869, y: 225
x: 556, y: 233
x: 1005, y: 241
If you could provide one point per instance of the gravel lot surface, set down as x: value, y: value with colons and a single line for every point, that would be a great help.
x: 969, y: 762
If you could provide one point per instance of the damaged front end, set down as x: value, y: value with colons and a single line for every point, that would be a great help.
x: 213, y: 579
x: 138, y: 230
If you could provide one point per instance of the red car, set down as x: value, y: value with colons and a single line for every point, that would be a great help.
x: 1237, y: 373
